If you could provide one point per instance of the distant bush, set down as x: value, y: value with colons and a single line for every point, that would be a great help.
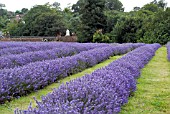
x: 100, y: 38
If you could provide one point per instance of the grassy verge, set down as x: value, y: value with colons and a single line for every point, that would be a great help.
x: 23, y: 102
x: 153, y: 88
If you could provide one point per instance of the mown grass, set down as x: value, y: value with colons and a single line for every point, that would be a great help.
x: 23, y: 102
x: 153, y: 88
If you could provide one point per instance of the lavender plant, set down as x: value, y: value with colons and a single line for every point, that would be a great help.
x: 168, y: 50
x: 16, y: 60
x: 102, y: 92
x: 23, y: 80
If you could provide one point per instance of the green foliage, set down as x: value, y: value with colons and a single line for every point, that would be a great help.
x: 4, y: 17
x: 100, y: 38
x: 21, y: 12
x: 70, y: 21
x: 92, y: 18
x: 148, y: 24
x: 15, y: 28
x: 151, y: 7
x: 42, y: 20
x: 160, y: 3
x: 157, y: 29
x: 114, y: 5
x: 112, y: 18
x: 2, y: 23
x: 125, y: 29
x: 96, y: 14
x: 47, y: 24
x: 24, y: 10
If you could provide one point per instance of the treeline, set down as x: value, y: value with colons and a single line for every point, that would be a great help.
x: 93, y: 21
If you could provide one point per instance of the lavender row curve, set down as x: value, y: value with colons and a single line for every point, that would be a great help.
x: 16, y: 60
x: 22, y: 80
x: 102, y: 92
x: 168, y: 51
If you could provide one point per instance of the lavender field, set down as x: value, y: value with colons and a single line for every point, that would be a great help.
x: 28, y: 67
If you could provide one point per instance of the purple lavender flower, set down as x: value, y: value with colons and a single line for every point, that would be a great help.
x: 36, y: 75
x: 102, y: 92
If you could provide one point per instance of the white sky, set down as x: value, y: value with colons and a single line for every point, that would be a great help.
x: 13, y: 5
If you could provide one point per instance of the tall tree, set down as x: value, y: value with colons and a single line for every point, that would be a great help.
x: 47, y: 24
x: 92, y: 18
x: 42, y: 20
x: 157, y: 29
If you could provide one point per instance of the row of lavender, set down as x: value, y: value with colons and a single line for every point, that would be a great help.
x: 29, y: 47
x: 18, y: 47
x: 60, y: 50
x: 67, y: 49
x: 168, y: 50
x: 5, y: 45
x: 102, y: 92
x: 22, y: 80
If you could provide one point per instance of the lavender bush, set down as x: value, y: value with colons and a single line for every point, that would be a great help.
x: 16, y: 60
x: 102, y: 92
x: 27, y: 47
x: 30, y: 47
x: 22, y: 80
x: 168, y: 50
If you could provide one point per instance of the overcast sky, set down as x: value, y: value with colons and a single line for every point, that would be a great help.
x: 13, y: 5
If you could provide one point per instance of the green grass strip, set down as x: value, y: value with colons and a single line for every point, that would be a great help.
x: 153, y: 88
x: 23, y: 102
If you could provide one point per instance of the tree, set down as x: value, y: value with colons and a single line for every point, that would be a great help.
x: 109, y: 5
x: 126, y: 28
x: 92, y: 18
x: 2, y: 23
x: 2, y: 6
x: 158, y: 28
x: 3, y: 12
x: 136, y: 8
x: 47, y: 24
x: 114, y: 5
x: 155, y: 5
x: 42, y: 20
x: 100, y: 38
x: 15, y: 28
x: 112, y: 17
x: 4, y: 17
x: 160, y: 3
x: 18, y: 12
x: 76, y: 7
x: 56, y: 5
x: 151, y: 7
x: 24, y: 10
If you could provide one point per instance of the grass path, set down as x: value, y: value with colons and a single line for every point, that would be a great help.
x: 23, y: 102
x: 153, y: 88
